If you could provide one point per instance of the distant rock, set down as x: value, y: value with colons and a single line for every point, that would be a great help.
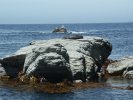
x: 74, y: 36
x: 60, y: 59
x: 61, y: 29
x: 118, y: 67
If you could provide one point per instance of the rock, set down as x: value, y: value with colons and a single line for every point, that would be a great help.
x: 4, y: 78
x: 95, y: 47
x: 118, y: 67
x: 2, y: 71
x: 78, y: 81
x: 129, y: 87
x: 50, y: 62
x: 0, y: 61
x: 42, y: 80
x: 82, y: 57
x: 128, y: 75
x: 13, y: 64
x: 60, y: 30
x: 83, y: 67
x: 91, y: 68
x: 60, y: 59
x: 50, y: 65
x: 24, y: 79
x: 77, y: 63
x: 57, y: 48
x: 25, y: 50
x: 33, y: 80
x: 75, y: 36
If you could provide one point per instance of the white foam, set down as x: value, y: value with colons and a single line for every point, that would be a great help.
x: 76, y: 32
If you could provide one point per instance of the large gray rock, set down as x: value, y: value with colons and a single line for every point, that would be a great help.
x: 58, y: 59
x: 95, y: 47
x: 83, y: 56
x: 118, y: 67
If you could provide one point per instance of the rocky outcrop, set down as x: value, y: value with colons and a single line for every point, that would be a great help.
x: 60, y: 30
x: 59, y: 59
x: 118, y: 67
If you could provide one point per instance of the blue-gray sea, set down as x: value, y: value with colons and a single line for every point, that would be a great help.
x: 14, y: 36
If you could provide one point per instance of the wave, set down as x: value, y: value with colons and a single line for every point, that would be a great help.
x: 77, y: 32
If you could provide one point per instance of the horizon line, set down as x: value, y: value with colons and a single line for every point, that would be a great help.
x: 67, y: 23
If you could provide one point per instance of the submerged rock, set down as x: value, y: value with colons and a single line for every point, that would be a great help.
x: 118, y: 67
x: 60, y: 59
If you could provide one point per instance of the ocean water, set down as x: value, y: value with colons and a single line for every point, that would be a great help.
x: 86, y: 94
x: 12, y: 37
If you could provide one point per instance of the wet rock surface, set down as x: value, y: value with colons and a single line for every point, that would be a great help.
x: 121, y: 67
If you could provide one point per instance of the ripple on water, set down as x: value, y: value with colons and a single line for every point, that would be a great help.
x: 85, y: 94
